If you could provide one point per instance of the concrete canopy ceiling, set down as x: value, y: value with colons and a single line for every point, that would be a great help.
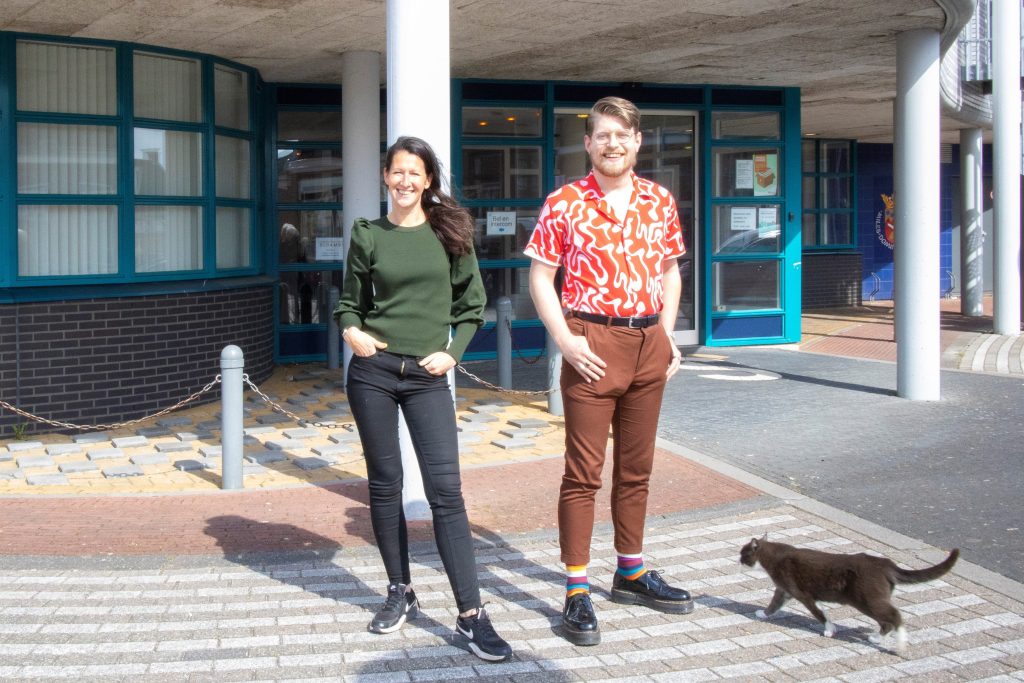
x: 841, y: 53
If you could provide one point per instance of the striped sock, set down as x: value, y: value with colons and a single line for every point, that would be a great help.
x: 631, y: 566
x: 576, y: 580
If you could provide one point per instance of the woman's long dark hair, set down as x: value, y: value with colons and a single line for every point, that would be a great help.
x: 451, y: 223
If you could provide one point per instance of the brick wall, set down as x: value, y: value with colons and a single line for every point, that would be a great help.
x: 107, y: 360
x: 831, y: 280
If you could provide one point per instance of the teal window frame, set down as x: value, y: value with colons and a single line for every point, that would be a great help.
x: 787, y: 199
x: 125, y: 199
x: 818, y: 176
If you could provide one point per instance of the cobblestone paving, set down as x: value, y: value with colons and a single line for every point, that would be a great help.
x: 304, y: 617
x: 182, y: 453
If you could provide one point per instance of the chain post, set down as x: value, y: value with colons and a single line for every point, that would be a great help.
x: 232, y: 363
x: 503, y: 326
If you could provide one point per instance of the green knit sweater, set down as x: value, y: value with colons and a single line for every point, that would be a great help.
x: 402, y: 288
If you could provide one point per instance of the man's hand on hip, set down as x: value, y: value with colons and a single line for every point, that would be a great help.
x: 677, y: 357
x: 576, y: 352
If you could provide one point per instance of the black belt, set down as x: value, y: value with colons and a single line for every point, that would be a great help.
x: 610, y: 321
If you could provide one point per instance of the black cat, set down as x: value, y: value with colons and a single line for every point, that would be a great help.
x: 861, y: 581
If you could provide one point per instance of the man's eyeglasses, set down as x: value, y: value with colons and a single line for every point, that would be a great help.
x: 620, y: 136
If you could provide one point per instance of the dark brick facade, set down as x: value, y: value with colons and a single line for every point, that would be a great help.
x: 95, y: 361
x: 831, y: 280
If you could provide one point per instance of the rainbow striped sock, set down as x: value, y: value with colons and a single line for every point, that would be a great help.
x: 631, y: 567
x: 576, y: 580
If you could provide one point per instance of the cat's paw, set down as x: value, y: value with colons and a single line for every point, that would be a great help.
x: 875, y: 638
x: 899, y: 639
x: 761, y: 614
x: 830, y: 629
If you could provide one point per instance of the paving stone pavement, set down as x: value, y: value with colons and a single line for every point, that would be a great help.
x: 303, y: 616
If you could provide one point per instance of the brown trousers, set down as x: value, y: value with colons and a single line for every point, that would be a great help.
x: 628, y: 399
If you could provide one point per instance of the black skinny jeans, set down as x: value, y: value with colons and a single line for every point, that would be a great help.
x: 377, y: 386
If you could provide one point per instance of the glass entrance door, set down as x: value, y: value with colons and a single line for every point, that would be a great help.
x: 667, y: 156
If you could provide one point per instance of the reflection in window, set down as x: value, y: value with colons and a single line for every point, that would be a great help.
x: 233, y: 237
x: 500, y: 241
x: 232, y: 164
x: 167, y: 87
x: 168, y: 162
x: 828, y: 219
x: 571, y: 160
x: 302, y: 296
x: 322, y: 126
x: 745, y: 285
x: 745, y: 125
x: 64, y: 78
x: 231, y: 93
x: 168, y: 238
x: 67, y: 240
x: 501, y: 172
x: 513, y: 283
x: 501, y: 122
x: 748, y: 228
x: 66, y: 159
x: 309, y: 236
x: 308, y: 175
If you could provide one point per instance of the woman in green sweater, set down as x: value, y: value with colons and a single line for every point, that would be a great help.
x: 411, y: 284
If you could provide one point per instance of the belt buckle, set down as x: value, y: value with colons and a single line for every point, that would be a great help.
x: 630, y: 323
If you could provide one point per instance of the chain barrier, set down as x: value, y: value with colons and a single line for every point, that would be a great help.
x: 266, y: 399
x: 69, y: 425
x: 519, y: 352
x: 284, y: 411
x: 503, y: 390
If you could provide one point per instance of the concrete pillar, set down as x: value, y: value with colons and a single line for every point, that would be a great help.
x: 419, y: 103
x: 972, y: 237
x: 360, y: 136
x: 916, y: 186
x: 1006, y: 167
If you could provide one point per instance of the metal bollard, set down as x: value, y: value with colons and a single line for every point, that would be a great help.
x: 503, y: 325
x: 333, y: 334
x: 554, y: 377
x: 232, y: 364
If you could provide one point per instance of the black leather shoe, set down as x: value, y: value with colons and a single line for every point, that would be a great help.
x: 579, y: 622
x: 650, y: 590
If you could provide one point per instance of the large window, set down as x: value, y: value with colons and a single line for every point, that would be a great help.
x: 828, y: 215
x: 157, y: 184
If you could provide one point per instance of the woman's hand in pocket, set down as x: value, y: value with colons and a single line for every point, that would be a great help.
x: 362, y: 344
x: 437, y: 363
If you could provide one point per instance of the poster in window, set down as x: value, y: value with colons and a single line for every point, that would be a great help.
x: 766, y: 175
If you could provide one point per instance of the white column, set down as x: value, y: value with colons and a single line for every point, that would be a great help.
x: 360, y: 137
x: 419, y: 104
x: 1006, y: 156
x: 972, y: 239
x: 916, y: 186
x: 419, y: 80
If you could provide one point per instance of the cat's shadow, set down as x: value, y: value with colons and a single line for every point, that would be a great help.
x: 788, y: 618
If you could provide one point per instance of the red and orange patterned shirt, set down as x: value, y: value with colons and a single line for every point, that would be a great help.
x: 613, y: 266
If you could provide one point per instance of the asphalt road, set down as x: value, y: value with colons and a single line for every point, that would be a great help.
x: 950, y: 473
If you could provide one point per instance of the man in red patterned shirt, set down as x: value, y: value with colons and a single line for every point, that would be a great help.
x: 617, y: 236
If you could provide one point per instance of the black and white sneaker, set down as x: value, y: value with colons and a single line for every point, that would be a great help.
x: 400, y: 605
x: 483, y: 639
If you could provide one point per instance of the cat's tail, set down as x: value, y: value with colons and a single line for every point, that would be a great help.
x: 929, y: 573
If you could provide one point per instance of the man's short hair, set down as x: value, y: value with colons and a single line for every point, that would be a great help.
x: 616, y: 107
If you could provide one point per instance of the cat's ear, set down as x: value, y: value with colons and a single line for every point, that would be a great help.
x: 753, y: 544
x: 765, y: 537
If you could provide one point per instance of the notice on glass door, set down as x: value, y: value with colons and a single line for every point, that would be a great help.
x: 745, y: 174
x: 743, y: 218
